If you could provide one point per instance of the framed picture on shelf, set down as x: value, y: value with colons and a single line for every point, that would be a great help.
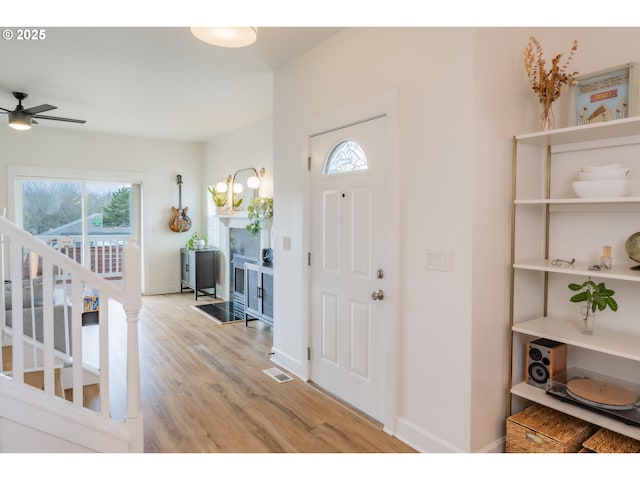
x: 605, y: 95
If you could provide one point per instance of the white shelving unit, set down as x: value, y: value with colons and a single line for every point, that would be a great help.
x: 548, y: 222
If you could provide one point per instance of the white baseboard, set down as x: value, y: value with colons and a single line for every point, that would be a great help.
x: 289, y: 363
x: 422, y: 440
x: 425, y: 442
x: 162, y: 290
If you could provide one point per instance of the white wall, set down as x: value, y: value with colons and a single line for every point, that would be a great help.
x: 436, y: 187
x: 251, y: 146
x: 462, y: 95
x: 157, y: 162
x: 499, y: 90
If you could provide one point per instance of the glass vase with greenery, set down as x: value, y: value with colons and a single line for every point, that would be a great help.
x: 596, y: 297
x: 260, y: 213
x: 219, y: 198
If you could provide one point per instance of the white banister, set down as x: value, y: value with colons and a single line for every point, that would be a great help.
x: 17, y: 316
x: 56, y: 319
x: 47, y: 326
x: 103, y: 327
x: 76, y: 343
x: 133, y: 293
x: 3, y: 313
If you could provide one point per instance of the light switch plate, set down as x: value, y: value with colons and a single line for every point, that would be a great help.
x: 438, y: 259
x: 286, y: 243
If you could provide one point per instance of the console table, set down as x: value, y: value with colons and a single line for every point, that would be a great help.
x: 198, y: 271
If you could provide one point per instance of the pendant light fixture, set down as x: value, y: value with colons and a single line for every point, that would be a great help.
x: 230, y: 37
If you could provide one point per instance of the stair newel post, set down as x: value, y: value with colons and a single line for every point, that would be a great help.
x: 133, y: 294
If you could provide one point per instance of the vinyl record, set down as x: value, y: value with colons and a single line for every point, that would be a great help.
x: 601, y: 394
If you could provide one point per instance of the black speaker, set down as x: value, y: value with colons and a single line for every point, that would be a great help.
x: 545, y: 358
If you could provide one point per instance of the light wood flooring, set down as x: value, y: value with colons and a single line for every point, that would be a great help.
x: 203, y: 390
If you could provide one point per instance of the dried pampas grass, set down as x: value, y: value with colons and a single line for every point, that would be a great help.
x: 547, y: 84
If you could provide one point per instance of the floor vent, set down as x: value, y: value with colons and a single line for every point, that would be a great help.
x: 277, y: 374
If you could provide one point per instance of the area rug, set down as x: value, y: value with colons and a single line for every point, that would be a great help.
x: 221, y: 313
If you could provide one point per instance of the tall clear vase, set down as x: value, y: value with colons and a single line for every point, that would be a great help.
x: 587, y: 320
x: 265, y: 233
x: 266, y: 241
x: 547, y: 117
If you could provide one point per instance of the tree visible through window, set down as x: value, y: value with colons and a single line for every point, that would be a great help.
x: 47, y: 205
x: 116, y: 213
x: 96, y: 216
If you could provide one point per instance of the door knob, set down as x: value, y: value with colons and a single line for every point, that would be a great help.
x: 377, y: 294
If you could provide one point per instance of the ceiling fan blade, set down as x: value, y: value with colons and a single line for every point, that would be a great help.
x: 38, y: 109
x: 5, y: 109
x: 47, y: 117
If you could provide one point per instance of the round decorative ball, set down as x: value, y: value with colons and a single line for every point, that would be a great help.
x: 632, y: 247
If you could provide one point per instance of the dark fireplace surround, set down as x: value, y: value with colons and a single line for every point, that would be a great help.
x: 244, y: 248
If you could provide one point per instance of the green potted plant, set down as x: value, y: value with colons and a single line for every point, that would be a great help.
x: 260, y: 213
x: 218, y: 196
x: 237, y: 200
x: 196, y: 242
x: 596, y: 297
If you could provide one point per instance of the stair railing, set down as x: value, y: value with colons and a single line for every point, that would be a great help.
x: 60, y: 275
x: 3, y: 212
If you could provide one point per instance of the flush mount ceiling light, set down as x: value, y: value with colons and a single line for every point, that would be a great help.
x: 231, y: 37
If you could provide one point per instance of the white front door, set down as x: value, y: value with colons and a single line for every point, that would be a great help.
x: 349, y: 255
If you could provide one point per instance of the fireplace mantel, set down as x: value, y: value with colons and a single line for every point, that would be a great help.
x: 237, y: 220
x: 225, y: 224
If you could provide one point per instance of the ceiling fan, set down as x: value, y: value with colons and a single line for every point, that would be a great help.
x: 22, y: 118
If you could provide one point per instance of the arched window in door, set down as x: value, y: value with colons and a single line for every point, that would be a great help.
x: 347, y: 156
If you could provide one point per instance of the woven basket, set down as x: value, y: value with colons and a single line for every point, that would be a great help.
x: 540, y: 429
x: 606, y: 441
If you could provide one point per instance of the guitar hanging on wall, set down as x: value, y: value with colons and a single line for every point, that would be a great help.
x: 179, y: 222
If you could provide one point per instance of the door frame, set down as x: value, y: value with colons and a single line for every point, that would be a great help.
x: 385, y: 104
x: 17, y: 172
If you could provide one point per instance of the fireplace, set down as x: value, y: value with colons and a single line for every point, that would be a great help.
x: 237, y: 282
x: 235, y: 241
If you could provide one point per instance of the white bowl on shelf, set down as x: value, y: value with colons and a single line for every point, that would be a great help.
x: 591, y: 168
x: 604, y: 174
x: 602, y: 188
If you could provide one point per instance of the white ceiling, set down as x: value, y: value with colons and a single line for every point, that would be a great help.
x: 149, y: 81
